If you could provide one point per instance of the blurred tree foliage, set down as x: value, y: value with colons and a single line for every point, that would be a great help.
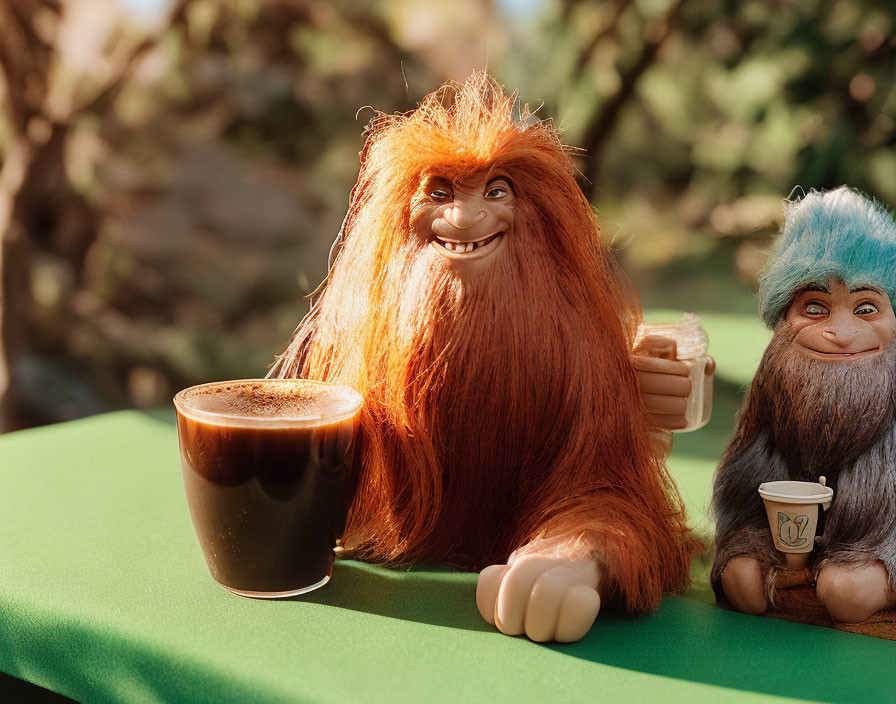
x: 169, y: 187
x: 698, y: 118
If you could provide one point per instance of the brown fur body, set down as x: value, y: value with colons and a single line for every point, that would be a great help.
x: 803, y: 419
x: 501, y: 409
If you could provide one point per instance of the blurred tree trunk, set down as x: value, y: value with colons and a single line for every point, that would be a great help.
x: 600, y: 130
x: 34, y: 185
x: 25, y: 61
x: 14, y: 278
x: 32, y: 182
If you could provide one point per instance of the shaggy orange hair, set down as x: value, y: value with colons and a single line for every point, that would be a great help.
x: 501, y: 409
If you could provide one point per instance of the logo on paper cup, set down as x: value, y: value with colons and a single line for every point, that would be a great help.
x: 791, y: 528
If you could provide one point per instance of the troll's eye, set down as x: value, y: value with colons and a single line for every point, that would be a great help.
x: 498, y: 189
x: 439, y: 189
x: 865, y: 309
x: 815, y: 309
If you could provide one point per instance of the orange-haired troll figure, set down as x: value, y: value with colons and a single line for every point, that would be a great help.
x: 475, y: 307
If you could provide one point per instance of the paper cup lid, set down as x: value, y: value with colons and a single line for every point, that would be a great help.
x: 789, y: 492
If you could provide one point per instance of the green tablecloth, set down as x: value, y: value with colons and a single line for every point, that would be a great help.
x: 104, y: 596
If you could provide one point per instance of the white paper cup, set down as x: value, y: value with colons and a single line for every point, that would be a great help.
x: 792, y: 511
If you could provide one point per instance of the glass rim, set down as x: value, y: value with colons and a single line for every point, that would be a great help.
x: 294, y: 421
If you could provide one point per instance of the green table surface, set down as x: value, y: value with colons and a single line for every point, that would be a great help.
x: 104, y: 596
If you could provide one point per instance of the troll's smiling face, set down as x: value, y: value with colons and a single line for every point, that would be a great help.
x: 836, y: 323
x: 464, y: 220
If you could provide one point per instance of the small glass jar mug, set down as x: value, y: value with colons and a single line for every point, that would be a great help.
x: 690, y: 346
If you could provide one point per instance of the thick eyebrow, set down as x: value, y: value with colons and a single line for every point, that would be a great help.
x: 859, y: 289
x: 818, y: 288
x: 500, y: 178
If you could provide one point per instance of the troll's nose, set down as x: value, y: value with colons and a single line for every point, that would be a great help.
x: 841, y: 333
x: 464, y: 215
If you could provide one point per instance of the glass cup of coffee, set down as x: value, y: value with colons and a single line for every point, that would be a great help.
x: 267, y: 470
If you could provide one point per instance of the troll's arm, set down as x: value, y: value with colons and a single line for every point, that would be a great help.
x: 609, y: 546
x: 860, y: 527
x: 856, y: 573
x: 742, y: 529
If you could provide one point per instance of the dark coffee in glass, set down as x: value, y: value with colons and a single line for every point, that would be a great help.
x: 267, y: 472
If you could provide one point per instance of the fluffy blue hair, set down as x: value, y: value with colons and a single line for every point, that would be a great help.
x: 837, y: 234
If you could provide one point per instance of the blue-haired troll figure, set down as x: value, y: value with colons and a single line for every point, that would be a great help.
x: 821, y: 404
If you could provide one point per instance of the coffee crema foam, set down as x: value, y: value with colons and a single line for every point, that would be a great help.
x: 264, y: 401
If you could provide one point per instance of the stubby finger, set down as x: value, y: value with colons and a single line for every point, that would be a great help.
x: 664, y: 384
x: 668, y: 422
x: 657, y: 346
x: 513, y: 594
x: 665, y: 405
x: 660, y: 366
x: 544, y: 603
x: 487, y: 590
x: 578, y: 610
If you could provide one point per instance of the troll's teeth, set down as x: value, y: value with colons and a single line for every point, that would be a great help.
x: 466, y: 247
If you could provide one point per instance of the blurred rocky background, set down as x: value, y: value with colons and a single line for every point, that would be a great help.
x: 172, y: 173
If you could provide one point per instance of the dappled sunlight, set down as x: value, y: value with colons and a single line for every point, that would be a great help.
x: 174, y: 171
